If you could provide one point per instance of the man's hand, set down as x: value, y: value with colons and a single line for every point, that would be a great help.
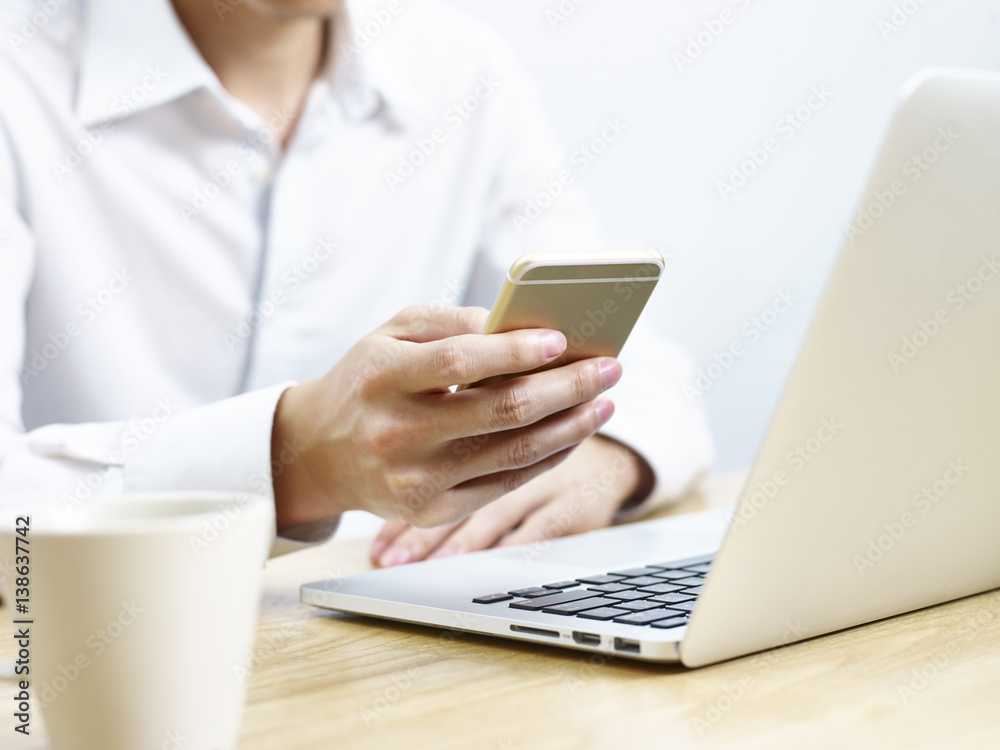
x: 382, y: 432
x: 582, y: 493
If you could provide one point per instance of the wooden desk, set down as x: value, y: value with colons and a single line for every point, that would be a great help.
x: 325, y: 680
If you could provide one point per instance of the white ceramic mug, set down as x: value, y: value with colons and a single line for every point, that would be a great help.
x: 143, y: 611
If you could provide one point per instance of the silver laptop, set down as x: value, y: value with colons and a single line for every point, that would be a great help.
x: 877, y: 488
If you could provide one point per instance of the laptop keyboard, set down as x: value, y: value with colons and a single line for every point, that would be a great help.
x: 660, y: 595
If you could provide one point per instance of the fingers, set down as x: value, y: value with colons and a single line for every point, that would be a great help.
x: 521, y: 448
x: 479, y: 531
x: 525, y: 400
x: 389, y: 532
x: 415, y: 544
x: 476, y: 493
x: 548, y: 522
x: 425, y: 323
x: 567, y: 513
x: 538, y: 527
x: 487, y: 525
x: 459, y: 359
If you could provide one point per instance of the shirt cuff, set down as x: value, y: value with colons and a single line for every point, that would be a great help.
x: 222, y: 446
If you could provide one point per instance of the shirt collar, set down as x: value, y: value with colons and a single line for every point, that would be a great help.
x: 137, y: 55
x: 365, y: 73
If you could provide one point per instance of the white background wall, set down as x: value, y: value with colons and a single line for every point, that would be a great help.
x: 688, y: 127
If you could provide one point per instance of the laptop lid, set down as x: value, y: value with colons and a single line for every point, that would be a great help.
x: 877, y: 488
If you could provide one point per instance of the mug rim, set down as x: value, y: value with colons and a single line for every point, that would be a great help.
x: 52, y: 520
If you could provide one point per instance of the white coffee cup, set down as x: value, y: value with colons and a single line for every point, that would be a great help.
x: 143, y: 612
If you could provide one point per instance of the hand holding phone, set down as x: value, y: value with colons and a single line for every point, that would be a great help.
x: 594, y: 298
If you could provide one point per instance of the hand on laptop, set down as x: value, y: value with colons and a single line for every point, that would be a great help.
x: 584, y: 492
x: 382, y: 432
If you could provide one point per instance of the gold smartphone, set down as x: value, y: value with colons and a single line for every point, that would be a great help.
x: 594, y: 298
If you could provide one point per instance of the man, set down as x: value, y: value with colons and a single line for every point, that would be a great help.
x: 208, y: 212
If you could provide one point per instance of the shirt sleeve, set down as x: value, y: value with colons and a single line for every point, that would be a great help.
x: 538, y: 205
x: 221, y: 446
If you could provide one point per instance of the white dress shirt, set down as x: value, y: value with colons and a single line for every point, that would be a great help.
x: 167, y: 270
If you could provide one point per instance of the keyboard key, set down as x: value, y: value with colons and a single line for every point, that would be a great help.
x: 685, y: 606
x: 703, y: 568
x: 644, y: 618
x: 631, y: 572
x: 672, y: 574
x: 560, y: 585
x: 691, y: 581
x: 672, y: 598
x: 600, y: 579
x: 694, y: 590
x: 642, y: 581
x: 661, y: 588
x: 627, y: 596
x: 687, y: 561
x: 492, y: 598
x: 671, y: 622
x: 604, y: 613
x: 571, y: 608
x: 529, y: 592
x: 607, y: 588
x: 547, y: 601
x: 638, y: 606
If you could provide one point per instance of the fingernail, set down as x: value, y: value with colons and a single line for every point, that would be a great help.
x: 605, y: 409
x: 395, y: 556
x: 378, y: 547
x: 611, y: 371
x: 554, y: 342
x: 441, y: 553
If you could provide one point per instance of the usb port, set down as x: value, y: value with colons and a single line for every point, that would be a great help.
x: 587, y: 639
x: 627, y: 644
